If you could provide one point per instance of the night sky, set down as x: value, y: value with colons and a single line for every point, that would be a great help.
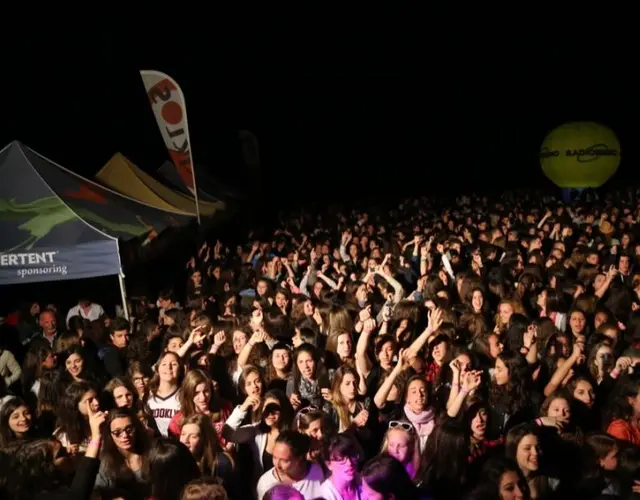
x: 372, y: 116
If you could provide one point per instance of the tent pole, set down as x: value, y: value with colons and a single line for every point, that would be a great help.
x: 123, y: 294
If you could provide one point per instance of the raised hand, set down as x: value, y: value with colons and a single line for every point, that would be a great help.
x: 369, y: 325
x: 623, y: 364
x: 471, y: 380
x: 577, y: 350
x: 435, y: 320
x: 530, y: 336
x: 219, y: 338
x: 257, y: 337
x: 386, y: 313
x: 96, y: 421
x: 386, y: 260
x: 197, y: 334
x: 402, y: 362
x: 365, y: 314
x: 346, y: 238
x: 455, y: 366
x: 252, y: 402
x: 317, y: 317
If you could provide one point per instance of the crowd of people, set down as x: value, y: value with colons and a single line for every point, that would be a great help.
x: 480, y: 349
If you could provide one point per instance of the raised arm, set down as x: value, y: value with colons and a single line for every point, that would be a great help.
x: 332, y: 284
x: 611, y: 274
x: 381, y: 396
x: 254, y: 250
x: 197, y: 335
x: 397, y: 287
x: 470, y: 382
x: 233, y: 430
x: 363, y: 362
x: 561, y: 372
x: 346, y: 238
x: 435, y: 321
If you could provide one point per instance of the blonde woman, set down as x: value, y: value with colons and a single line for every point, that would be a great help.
x: 400, y: 441
x: 506, y: 309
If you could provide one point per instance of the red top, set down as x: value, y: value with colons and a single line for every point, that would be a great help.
x: 175, y: 426
x: 12, y: 319
x: 625, y: 431
x: 479, y: 448
x: 432, y: 372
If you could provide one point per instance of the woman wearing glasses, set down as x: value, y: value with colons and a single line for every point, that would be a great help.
x: 342, y: 457
x: 124, y: 451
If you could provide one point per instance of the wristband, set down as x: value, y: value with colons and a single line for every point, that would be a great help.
x: 615, y: 373
x: 95, y: 442
x: 455, y: 384
x: 538, y: 422
x: 464, y: 391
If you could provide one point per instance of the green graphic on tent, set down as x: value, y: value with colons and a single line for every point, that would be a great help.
x: 45, y: 214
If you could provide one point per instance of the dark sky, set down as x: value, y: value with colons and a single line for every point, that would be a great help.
x: 376, y: 115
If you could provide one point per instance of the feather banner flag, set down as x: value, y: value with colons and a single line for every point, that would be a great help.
x: 167, y: 102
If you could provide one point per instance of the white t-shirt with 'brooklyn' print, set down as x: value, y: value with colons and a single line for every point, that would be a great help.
x: 163, y: 410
